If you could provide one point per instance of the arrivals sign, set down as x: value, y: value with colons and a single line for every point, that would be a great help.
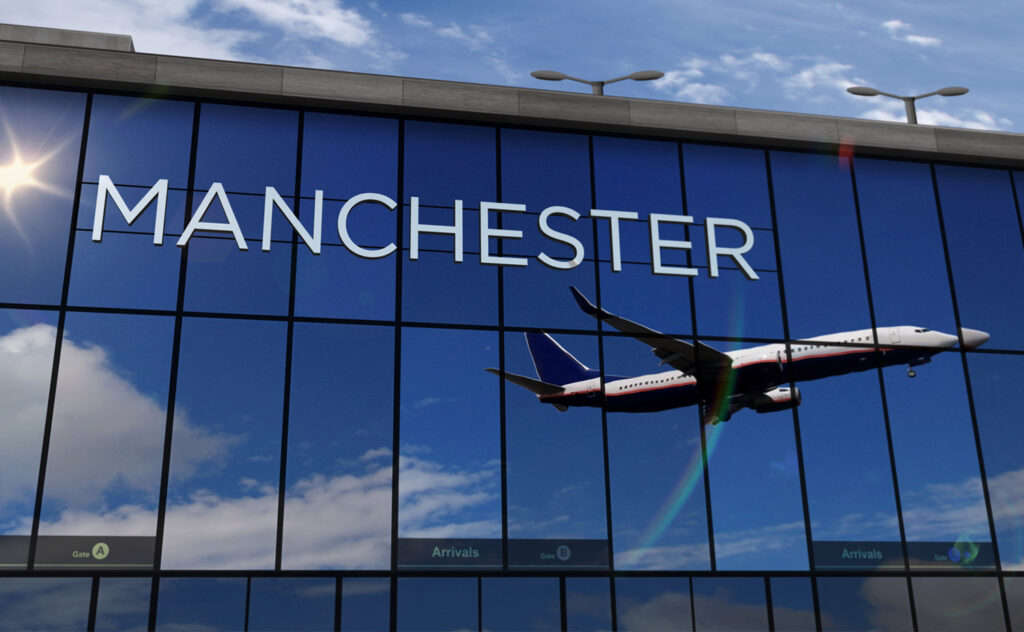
x: 717, y: 230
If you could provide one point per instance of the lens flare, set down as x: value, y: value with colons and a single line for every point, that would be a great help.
x: 17, y: 174
x: 23, y: 173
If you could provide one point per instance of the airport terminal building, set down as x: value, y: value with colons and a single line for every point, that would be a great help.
x: 247, y: 314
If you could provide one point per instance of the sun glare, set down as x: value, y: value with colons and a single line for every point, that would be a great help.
x: 17, y: 174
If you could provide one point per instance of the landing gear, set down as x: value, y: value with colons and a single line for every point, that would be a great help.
x: 911, y: 372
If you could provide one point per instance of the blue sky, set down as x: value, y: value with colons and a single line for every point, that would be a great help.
x: 792, y: 55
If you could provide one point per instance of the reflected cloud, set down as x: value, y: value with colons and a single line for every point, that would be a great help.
x: 97, y: 408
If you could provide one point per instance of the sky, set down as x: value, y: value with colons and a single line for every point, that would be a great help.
x: 789, y: 55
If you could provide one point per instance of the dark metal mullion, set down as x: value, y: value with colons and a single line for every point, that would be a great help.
x: 289, y: 342
x: 1016, y: 204
x: 172, y: 390
x: 561, y: 604
x: 970, y: 394
x: 693, y: 608
x: 796, y: 415
x: 338, y: 584
x: 502, y: 418
x: 768, y: 603
x: 51, y: 398
x: 248, y: 602
x: 884, y: 398
x: 397, y: 387
x: 601, y: 373
x: 94, y: 595
x: 705, y: 464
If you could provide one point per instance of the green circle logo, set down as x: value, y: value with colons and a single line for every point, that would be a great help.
x: 100, y: 550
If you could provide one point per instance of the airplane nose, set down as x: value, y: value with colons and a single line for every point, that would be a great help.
x: 973, y: 337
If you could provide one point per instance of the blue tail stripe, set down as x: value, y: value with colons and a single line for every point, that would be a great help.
x: 554, y: 364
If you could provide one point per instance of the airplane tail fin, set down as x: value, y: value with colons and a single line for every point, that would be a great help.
x: 554, y: 364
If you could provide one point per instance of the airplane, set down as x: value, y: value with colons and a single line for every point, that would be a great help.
x: 757, y: 378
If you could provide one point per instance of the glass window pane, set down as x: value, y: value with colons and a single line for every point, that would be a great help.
x: 792, y: 604
x: 542, y: 169
x: 657, y: 476
x: 291, y: 603
x: 958, y: 603
x: 992, y: 377
x: 112, y: 391
x: 756, y: 505
x: 821, y: 261
x: 437, y: 604
x: 430, y: 282
x: 520, y: 603
x: 247, y: 148
x: 449, y: 481
x: 44, y: 603
x: 124, y: 270
x: 983, y: 233
x: 201, y: 603
x: 731, y: 183
x: 365, y: 604
x: 649, y: 604
x: 909, y: 283
x: 446, y: 162
x: 139, y: 141
x: 729, y: 603
x: 856, y: 603
x: 943, y: 507
x: 658, y: 301
x: 850, y: 493
x: 1014, y: 587
x: 123, y: 604
x: 222, y: 497
x: 44, y: 129
x: 556, y: 493
x: 27, y: 339
x: 346, y: 155
x: 338, y: 499
x: 588, y: 604
x: 640, y: 176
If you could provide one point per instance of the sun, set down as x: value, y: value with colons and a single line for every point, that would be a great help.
x: 17, y: 174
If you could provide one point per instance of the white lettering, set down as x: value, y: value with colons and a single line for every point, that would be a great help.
x: 657, y: 243
x: 157, y: 192
x: 487, y: 233
x: 272, y: 199
x: 230, y: 226
x: 415, y: 228
x: 615, y: 216
x: 550, y: 233
x: 346, y: 239
x: 714, y: 250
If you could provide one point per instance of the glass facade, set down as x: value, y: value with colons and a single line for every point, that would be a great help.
x: 244, y: 359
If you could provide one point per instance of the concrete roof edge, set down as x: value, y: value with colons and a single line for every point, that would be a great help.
x: 351, y: 91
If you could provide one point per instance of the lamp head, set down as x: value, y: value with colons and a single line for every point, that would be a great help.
x: 548, y: 75
x: 646, y: 75
x: 863, y: 91
x: 952, y: 91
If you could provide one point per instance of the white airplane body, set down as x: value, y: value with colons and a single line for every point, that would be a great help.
x: 723, y: 382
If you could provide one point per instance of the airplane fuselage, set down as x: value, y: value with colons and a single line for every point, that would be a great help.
x: 760, y: 369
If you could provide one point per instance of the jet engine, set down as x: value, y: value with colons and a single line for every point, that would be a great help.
x: 780, y: 398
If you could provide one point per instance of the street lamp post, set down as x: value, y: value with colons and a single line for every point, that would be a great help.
x: 597, y: 86
x: 908, y: 102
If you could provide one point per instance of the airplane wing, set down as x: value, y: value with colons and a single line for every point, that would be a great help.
x: 700, y: 360
x: 530, y: 384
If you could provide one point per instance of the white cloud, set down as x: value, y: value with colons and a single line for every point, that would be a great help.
x: 898, y: 30
x: 680, y: 84
x: 823, y: 74
x: 98, y: 412
x: 892, y: 110
x: 689, y: 83
x: 307, y: 18
x: 415, y: 19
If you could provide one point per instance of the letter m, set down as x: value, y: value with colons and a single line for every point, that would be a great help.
x: 106, y: 187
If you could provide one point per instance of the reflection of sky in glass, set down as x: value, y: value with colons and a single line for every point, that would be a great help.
x: 449, y: 434
x: 730, y: 603
x: 37, y: 127
x: 432, y: 604
x: 123, y: 603
x: 792, y: 604
x: 205, y: 603
x: 291, y: 603
x: 518, y: 604
x: 659, y: 515
x: 587, y: 604
x: 233, y: 494
x: 338, y: 503
x: 856, y: 603
x: 555, y: 459
x: 31, y: 603
x: 958, y: 603
x: 26, y: 358
x: 653, y: 603
x: 111, y: 392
